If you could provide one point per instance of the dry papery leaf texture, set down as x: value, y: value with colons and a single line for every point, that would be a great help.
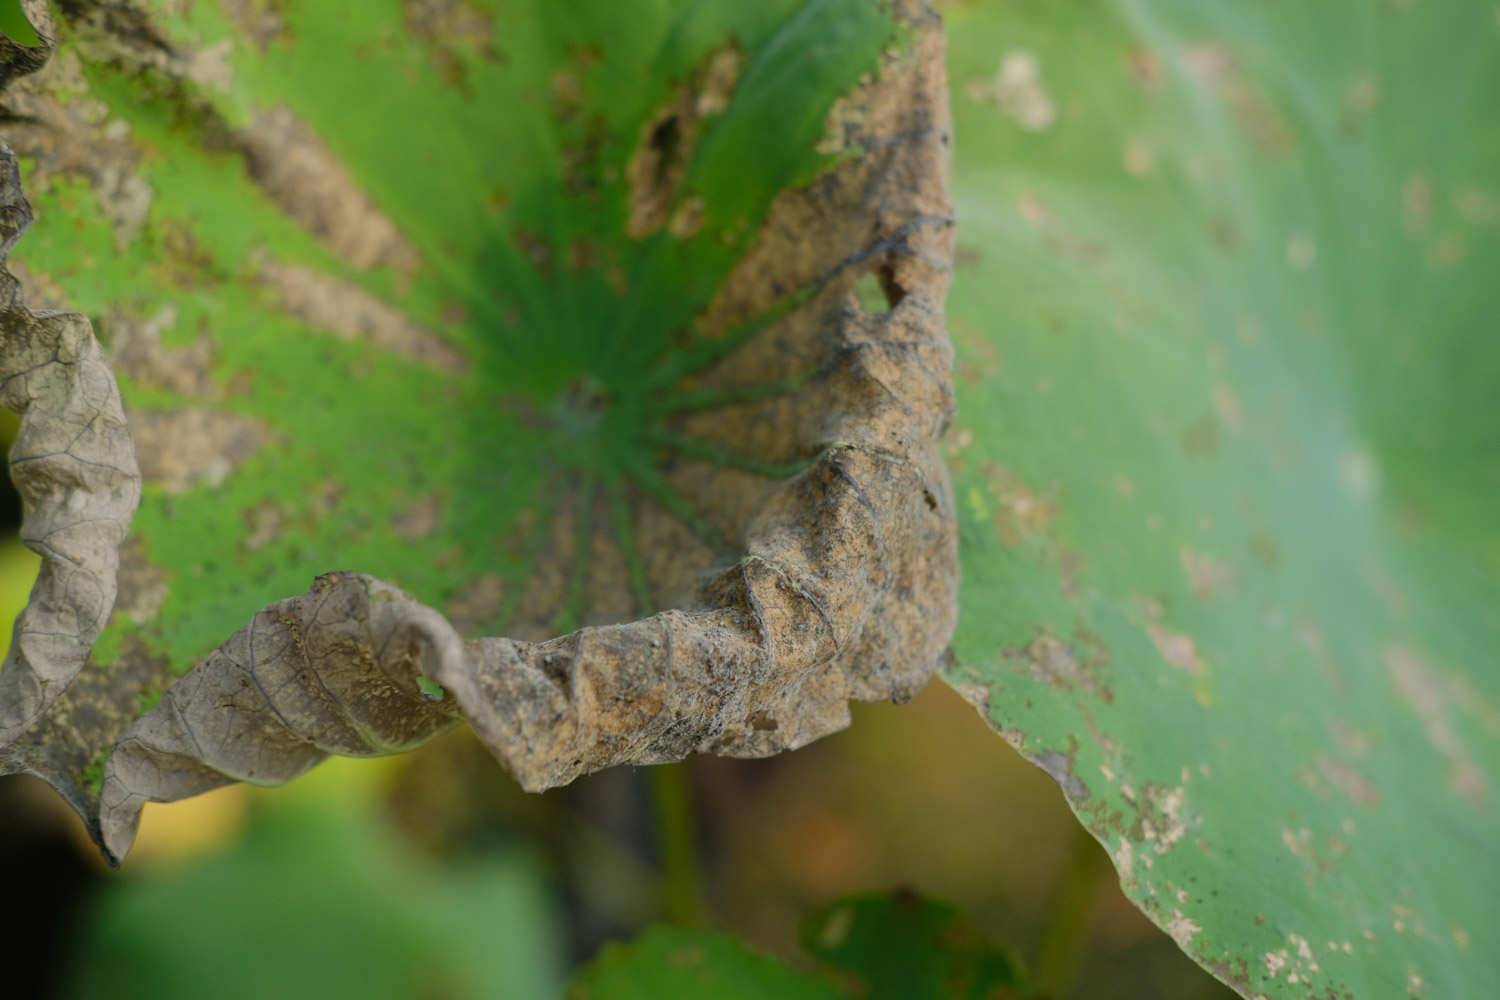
x: 839, y: 582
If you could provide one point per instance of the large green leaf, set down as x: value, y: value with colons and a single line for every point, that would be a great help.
x: 1227, y: 461
x: 547, y: 314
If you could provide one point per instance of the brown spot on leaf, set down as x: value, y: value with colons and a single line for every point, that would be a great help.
x: 1060, y: 767
x: 1059, y: 664
x: 1228, y: 408
x: 137, y: 350
x: 259, y: 21
x: 581, y: 127
x: 478, y: 604
x: 1264, y: 548
x: 687, y: 218
x: 845, y: 122
x: 1021, y: 512
x: 1209, y: 64
x: 1177, y: 648
x: 325, y: 498
x: 1320, y: 856
x: 420, y: 520
x: 1146, y: 69
x: 38, y: 291
x: 1449, y: 250
x: 1213, y: 67
x: 454, y: 32
x: 1182, y: 929
x: 1139, y: 159
x: 1416, y: 205
x: 209, y: 67
x: 142, y: 586
x: 1478, y: 206
x: 535, y: 248
x: 1312, y: 638
x: 184, y: 261
x: 657, y: 167
x: 1162, y: 818
x: 1346, y: 778
x: 1361, y: 99
x: 1301, y: 251
x: 298, y: 170
x: 1224, y: 233
x: 350, y: 313
x: 1207, y: 576
x: 1033, y: 211
x: 1017, y: 89
x: 1432, y: 697
x: 184, y: 449
x: 264, y: 524
x: 545, y: 590
x: 1201, y: 439
x: 75, y: 135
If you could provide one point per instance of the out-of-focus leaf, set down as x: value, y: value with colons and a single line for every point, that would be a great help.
x: 18, y: 566
x: 888, y: 947
x: 320, y: 902
x: 546, y: 313
x: 1227, y: 464
x: 669, y: 963
x: 905, y: 947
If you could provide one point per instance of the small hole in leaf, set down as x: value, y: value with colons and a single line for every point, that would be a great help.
x: 10, y: 500
x: 869, y: 293
x: 664, y: 136
x: 894, y: 292
x: 18, y: 565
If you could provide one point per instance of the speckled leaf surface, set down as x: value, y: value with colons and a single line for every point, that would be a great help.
x: 1226, y: 464
x: 552, y: 316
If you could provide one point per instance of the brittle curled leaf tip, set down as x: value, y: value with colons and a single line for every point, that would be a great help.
x: 74, y: 466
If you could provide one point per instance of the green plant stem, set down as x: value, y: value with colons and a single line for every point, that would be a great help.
x: 676, y: 831
x: 1066, y: 940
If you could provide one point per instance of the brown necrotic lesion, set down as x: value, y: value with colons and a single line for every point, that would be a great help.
x: 656, y: 171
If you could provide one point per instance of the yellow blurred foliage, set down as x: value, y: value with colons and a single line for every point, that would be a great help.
x: 179, y: 831
x: 18, y: 569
